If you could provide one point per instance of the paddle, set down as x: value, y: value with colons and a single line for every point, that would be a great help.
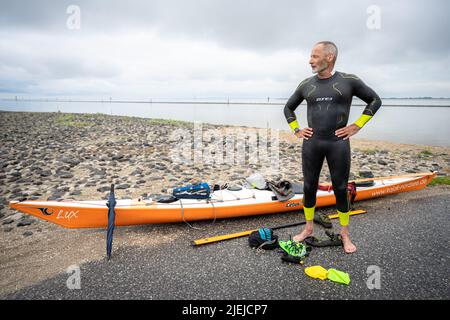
x: 111, y: 221
x: 246, y: 233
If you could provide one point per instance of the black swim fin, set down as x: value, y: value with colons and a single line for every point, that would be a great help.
x: 332, y: 241
x: 323, y: 220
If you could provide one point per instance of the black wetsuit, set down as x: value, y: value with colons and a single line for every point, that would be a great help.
x: 328, y: 108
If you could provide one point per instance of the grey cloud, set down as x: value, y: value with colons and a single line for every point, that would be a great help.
x: 48, y: 63
x: 412, y: 44
x: 253, y: 24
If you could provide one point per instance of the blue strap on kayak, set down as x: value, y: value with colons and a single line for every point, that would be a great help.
x: 197, y: 191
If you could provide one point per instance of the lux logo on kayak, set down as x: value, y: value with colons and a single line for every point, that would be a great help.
x: 67, y: 214
x: 62, y: 214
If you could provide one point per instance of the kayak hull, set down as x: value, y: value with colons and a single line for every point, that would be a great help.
x: 223, y: 204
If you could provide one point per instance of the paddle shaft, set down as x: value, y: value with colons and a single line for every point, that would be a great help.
x: 246, y: 233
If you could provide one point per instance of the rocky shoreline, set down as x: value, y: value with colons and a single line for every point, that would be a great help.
x: 55, y: 156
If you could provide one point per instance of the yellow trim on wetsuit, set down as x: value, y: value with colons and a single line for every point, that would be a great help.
x: 294, y: 125
x: 363, y: 120
x: 344, y: 218
x: 309, y: 213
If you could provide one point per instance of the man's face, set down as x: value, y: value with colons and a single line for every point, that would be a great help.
x: 319, y: 60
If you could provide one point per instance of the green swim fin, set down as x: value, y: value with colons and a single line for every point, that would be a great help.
x: 338, y: 276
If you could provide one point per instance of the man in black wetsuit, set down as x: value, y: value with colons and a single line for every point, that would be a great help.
x: 329, y: 96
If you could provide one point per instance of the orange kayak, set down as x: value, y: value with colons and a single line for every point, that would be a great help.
x: 222, y: 204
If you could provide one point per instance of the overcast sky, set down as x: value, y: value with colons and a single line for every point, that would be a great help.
x: 214, y: 48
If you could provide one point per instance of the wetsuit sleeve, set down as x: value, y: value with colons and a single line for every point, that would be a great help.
x: 366, y: 94
x: 292, y: 104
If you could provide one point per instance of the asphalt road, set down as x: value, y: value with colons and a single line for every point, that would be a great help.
x: 406, y: 237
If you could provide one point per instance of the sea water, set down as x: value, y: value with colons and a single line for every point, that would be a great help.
x: 413, y: 121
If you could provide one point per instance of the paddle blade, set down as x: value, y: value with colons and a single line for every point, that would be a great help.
x: 352, y: 213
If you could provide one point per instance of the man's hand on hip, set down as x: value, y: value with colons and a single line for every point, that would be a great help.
x: 305, y: 133
x: 347, y: 131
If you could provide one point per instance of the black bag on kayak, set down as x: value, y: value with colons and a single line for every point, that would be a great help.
x: 283, y: 190
x: 166, y: 199
x: 263, y: 238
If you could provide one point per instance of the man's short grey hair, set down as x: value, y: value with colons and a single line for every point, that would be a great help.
x: 330, y: 47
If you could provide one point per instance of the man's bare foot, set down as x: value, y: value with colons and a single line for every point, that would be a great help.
x: 349, y: 247
x: 303, y: 235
